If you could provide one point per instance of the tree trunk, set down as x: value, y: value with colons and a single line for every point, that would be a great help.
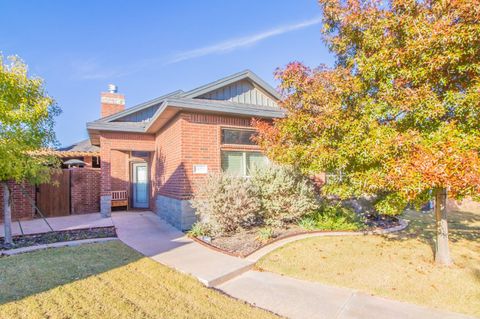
x: 7, y: 214
x: 442, y: 252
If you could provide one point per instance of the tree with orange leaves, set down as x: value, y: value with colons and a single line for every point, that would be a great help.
x: 399, y: 114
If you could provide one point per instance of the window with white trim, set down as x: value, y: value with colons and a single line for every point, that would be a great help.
x: 240, y: 163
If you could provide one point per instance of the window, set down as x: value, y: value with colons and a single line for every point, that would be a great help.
x: 238, y: 136
x: 240, y: 163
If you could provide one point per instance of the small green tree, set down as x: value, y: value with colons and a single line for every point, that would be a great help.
x: 399, y: 114
x: 26, y: 126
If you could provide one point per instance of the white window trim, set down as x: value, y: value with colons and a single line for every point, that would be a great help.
x: 244, y: 156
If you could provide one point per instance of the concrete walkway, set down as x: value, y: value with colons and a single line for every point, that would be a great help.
x: 289, y: 297
x: 37, y: 226
x: 148, y: 234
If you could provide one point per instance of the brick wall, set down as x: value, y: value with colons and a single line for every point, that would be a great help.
x: 201, y: 143
x: 169, y: 173
x: 119, y: 171
x: 85, y: 190
x: 21, y: 204
x: 189, y: 139
x: 111, y: 103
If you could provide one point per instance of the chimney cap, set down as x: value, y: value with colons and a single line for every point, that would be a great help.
x: 112, y: 88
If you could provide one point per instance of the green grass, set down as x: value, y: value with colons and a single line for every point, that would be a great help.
x: 398, y: 266
x: 107, y: 280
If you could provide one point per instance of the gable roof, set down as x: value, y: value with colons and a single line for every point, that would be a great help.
x: 246, y: 74
x: 139, y: 107
x: 83, y: 146
x: 79, y: 149
x: 152, y: 115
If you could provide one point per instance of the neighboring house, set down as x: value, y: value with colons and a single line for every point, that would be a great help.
x: 159, y: 150
x: 80, y: 152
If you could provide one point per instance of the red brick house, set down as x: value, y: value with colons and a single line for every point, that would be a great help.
x: 157, y: 151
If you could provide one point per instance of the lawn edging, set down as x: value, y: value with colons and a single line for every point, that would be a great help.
x: 259, y: 253
x: 22, y: 250
x: 277, y: 243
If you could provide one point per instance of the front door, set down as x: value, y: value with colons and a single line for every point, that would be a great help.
x: 140, y: 185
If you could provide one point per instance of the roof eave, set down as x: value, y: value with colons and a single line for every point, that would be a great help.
x: 186, y: 106
x: 94, y: 129
x: 138, y: 107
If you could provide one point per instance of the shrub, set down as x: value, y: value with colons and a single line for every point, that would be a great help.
x: 308, y: 223
x: 285, y: 194
x: 266, y: 233
x: 226, y: 203
x: 199, y: 229
x: 332, y: 217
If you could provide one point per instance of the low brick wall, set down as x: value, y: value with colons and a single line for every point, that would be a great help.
x: 21, y: 204
x: 85, y: 190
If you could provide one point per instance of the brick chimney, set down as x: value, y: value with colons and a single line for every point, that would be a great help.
x: 112, y: 102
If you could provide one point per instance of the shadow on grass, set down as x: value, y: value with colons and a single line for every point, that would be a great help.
x: 462, y: 226
x: 31, y: 273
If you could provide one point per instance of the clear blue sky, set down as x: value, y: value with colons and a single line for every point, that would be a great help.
x: 149, y: 48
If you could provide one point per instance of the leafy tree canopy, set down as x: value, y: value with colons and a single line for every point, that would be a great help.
x: 399, y: 114
x: 26, y: 124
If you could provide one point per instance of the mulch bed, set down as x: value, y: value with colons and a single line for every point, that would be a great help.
x: 59, y: 236
x: 245, y: 242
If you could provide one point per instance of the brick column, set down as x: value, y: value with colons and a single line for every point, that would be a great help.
x: 105, y: 184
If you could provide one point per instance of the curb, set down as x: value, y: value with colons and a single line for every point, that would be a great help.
x: 226, y: 277
x: 259, y: 253
x: 22, y: 250
x: 255, y: 255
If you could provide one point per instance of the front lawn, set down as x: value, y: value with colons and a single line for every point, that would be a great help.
x: 399, y: 266
x: 106, y: 280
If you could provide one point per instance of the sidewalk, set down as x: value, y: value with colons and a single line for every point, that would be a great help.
x: 295, y: 298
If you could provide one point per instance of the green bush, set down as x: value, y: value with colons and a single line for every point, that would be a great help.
x: 266, y: 233
x: 199, y: 229
x: 226, y: 203
x: 308, y: 222
x: 273, y: 196
x: 285, y: 194
x: 332, y: 217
